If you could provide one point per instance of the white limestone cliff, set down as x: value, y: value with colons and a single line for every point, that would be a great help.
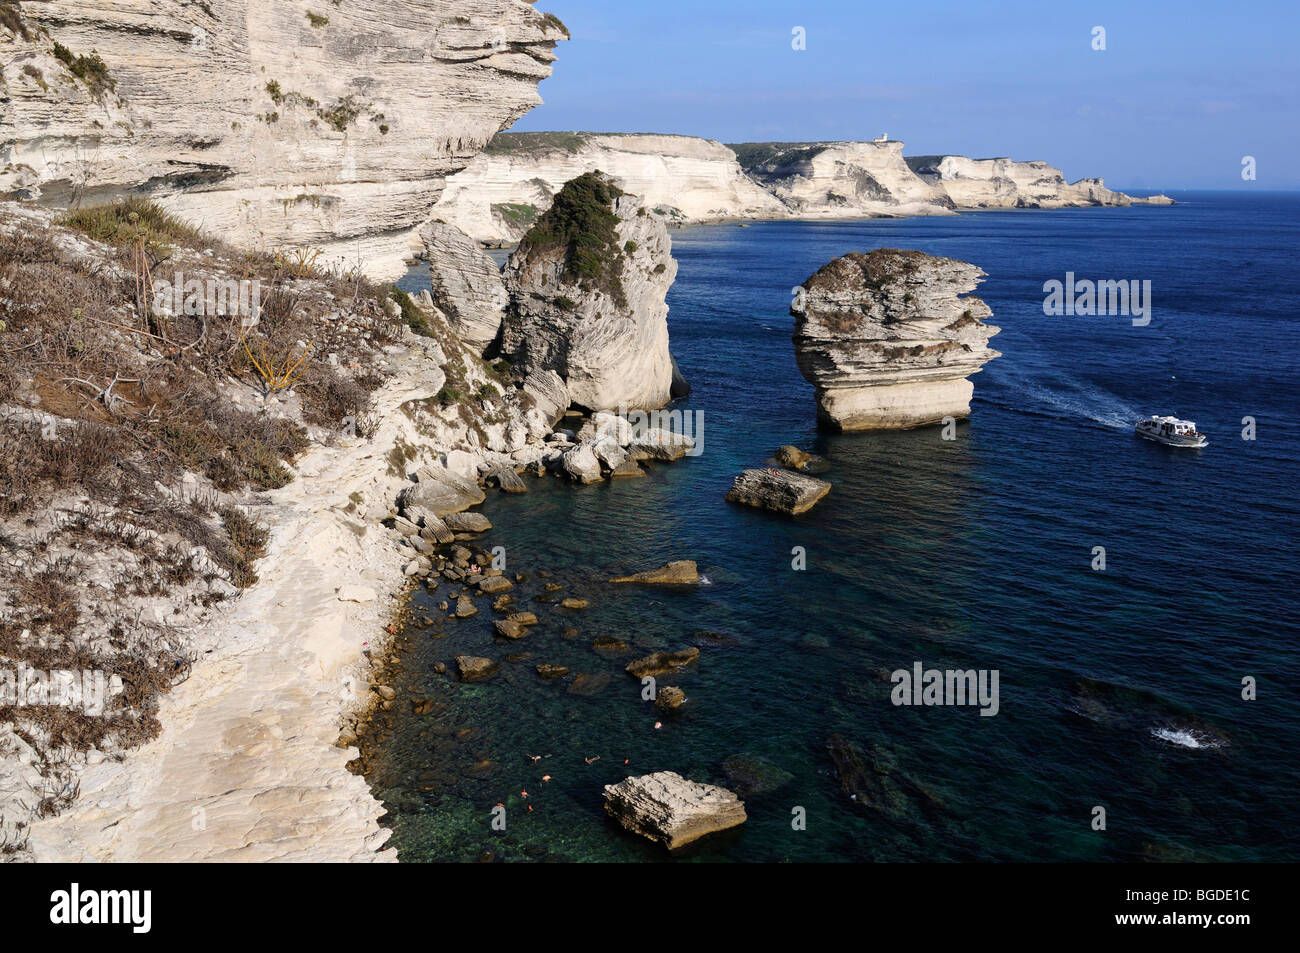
x: 1005, y: 183
x: 269, y: 124
x: 686, y: 180
x: 501, y: 192
x: 846, y: 180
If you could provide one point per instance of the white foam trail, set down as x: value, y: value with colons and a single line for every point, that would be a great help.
x: 1183, y: 738
x: 1055, y: 393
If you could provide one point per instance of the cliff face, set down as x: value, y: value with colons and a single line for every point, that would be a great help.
x: 1005, y: 183
x: 684, y: 180
x: 587, y: 288
x: 842, y: 179
x: 268, y: 124
x: 889, y: 338
x: 501, y: 192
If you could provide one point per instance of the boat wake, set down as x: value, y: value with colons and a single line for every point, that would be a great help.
x: 1059, y: 396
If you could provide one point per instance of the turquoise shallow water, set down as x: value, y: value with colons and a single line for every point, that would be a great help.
x: 973, y: 553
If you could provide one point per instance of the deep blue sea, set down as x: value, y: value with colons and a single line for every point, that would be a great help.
x: 1119, y: 689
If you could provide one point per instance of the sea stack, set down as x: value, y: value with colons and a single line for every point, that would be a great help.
x: 890, y: 337
x: 587, y: 288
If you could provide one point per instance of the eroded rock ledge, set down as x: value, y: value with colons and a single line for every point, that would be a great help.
x: 889, y: 339
x: 263, y: 124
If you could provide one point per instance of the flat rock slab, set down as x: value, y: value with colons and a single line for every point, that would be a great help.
x: 474, y: 669
x: 494, y: 585
x: 440, y: 492
x: 467, y: 522
x: 661, y: 663
x: 679, y: 572
x: 781, y: 491
x: 670, y: 810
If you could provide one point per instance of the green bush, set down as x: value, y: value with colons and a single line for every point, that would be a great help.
x: 582, y: 222
x: 91, y: 70
x: 114, y: 224
x: 412, y: 316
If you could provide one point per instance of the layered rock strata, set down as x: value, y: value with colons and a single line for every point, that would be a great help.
x: 669, y: 809
x: 1005, y: 183
x: 265, y: 123
x: 587, y: 288
x: 890, y: 338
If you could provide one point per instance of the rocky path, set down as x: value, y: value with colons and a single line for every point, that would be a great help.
x: 246, y: 767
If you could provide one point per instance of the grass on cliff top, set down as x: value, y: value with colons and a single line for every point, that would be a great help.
x: 751, y: 155
x: 523, y: 143
x: 113, y: 224
x: 582, y: 222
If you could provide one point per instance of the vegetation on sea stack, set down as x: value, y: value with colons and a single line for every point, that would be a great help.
x: 582, y: 221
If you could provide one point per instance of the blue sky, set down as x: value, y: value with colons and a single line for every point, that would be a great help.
x: 1180, y: 94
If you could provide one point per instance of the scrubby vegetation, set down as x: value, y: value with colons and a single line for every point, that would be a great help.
x: 552, y: 22
x: 126, y: 221
x: 751, y: 155
x: 508, y: 143
x: 516, y: 213
x: 342, y: 114
x: 317, y: 20
x: 412, y: 316
x: 90, y: 69
x: 11, y: 18
x: 133, y: 441
x: 583, y: 223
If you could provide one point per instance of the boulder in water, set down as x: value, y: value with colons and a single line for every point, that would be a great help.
x: 671, y: 810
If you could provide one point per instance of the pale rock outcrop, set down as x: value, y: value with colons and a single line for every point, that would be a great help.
x: 440, y: 491
x: 264, y: 127
x: 889, y: 339
x: 606, y: 337
x: 501, y: 192
x: 669, y: 809
x: 1006, y: 183
x: 781, y: 491
x: 679, y: 572
x: 466, y: 285
x: 845, y: 180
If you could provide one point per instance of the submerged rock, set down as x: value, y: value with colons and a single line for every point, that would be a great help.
x: 588, y: 685
x: 549, y: 672
x: 679, y: 572
x: 889, y: 339
x: 662, y: 662
x: 795, y: 459
x: 781, y: 491
x: 472, y: 668
x: 670, y: 810
x: 750, y: 775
